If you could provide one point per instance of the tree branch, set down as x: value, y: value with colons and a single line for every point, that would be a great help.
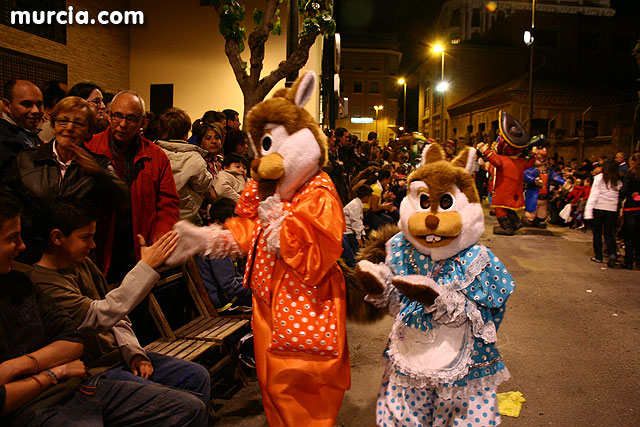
x: 232, y: 50
x: 258, y: 38
x: 295, y: 62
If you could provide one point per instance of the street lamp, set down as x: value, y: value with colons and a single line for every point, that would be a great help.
x: 529, y: 39
x: 377, y: 108
x: 404, y: 109
x: 442, y: 87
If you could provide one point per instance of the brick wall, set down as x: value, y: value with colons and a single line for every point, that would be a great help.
x: 95, y: 53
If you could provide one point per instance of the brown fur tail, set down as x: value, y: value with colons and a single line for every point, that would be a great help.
x: 358, y: 310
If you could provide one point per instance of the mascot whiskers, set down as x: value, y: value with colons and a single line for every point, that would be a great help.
x: 447, y: 293
x: 289, y: 224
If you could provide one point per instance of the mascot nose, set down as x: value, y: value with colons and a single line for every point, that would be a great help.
x: 432, y: 221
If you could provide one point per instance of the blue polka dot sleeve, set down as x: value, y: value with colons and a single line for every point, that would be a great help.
x: 492, y: 286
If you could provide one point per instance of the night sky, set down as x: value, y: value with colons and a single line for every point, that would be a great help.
x: 413, y: 21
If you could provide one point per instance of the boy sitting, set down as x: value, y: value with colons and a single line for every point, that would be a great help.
x: 41, y: 376
x: 223, y: 277
x: 231, y: 180
x: 66, y: 274
x: 353, y: 217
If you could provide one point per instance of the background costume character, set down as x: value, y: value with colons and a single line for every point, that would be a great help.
x: 290, y: 225
x: 510, y: 160
x: 538, y: 181
x: 448, y: 295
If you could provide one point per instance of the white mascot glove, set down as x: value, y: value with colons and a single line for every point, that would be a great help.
x: 213, y: 241
x: 272, y: 214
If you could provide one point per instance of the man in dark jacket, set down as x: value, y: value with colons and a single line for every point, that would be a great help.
x: 23, y: 105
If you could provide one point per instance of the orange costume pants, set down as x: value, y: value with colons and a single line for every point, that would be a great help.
x: 300, y: 390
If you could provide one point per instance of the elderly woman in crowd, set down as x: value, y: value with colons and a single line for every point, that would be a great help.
x: 193, y: 180
x: 63, y: 168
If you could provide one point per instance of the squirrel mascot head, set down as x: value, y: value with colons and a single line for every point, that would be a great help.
x: 289, y: 144
x: 441, y: 214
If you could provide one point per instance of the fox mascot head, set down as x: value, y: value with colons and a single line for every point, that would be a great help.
x: 290, y: 148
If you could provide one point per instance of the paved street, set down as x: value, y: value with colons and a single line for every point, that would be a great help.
x: 570, y: 339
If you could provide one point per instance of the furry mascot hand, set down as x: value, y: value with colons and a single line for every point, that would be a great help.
x: 373, y: 277
x: 213, y: 241
x: 272, y: 215
x: 418, y: 288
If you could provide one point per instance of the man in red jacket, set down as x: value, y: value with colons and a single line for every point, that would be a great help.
x: 153, y: 207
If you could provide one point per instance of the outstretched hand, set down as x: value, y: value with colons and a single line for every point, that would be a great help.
x: 156, y: 254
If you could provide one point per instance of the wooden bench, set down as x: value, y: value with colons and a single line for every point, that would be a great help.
x: 206, y: 331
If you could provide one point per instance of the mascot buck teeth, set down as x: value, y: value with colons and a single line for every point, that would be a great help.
x: 448, y: 295
x: 289, y: 224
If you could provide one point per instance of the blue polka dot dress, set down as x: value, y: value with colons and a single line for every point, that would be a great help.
x: 426, y: 383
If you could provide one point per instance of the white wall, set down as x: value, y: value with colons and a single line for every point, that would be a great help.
x: 180, y: 44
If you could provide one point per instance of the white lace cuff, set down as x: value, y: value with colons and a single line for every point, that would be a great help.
x: 389, y: 299
x: 272, y: 215
x: 449, y: 308
x: 221, y: 244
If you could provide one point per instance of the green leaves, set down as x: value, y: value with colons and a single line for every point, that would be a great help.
x: 318, y: 17
x: 232, y: 14
x: 277, y: 28
x: 257, y: 17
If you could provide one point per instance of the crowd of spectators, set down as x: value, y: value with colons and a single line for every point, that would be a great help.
x: 93, y: 183
x: 601, y: 194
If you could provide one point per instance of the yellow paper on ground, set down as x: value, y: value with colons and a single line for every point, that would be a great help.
x: 510, y: 403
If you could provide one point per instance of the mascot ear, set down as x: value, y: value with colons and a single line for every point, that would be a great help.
x: 304, y: 87
x: 432, y: 153
x: 466, y: 159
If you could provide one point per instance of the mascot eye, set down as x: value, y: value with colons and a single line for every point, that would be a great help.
x: 425, y: 203
x: 266, y: 143
x: 446, y: 202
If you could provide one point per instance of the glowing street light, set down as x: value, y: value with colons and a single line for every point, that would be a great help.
x: 403, y: 82
x: 441, y: 87
x: 377, y: 108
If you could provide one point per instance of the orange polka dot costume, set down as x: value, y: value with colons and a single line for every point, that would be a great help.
x: 289, y: 223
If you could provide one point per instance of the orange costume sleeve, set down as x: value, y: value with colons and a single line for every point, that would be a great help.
x: 311, y: 238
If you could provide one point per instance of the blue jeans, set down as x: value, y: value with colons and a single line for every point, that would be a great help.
x: 171, y: 372
x: 99, y: 401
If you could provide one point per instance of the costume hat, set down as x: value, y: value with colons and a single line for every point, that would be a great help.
x: 512, y: 131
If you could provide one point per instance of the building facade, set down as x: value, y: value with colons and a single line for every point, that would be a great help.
x: 368, y: 79
x: 583, y: 82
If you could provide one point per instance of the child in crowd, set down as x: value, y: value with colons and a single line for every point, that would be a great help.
x: 43, y: 379
x: 67, y: 275
x: 231, y: 180
x: 354, y: 215
x: 223, y: 276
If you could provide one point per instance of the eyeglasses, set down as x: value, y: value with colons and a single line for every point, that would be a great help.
x: 65, y: 123
x: 131, y: 119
